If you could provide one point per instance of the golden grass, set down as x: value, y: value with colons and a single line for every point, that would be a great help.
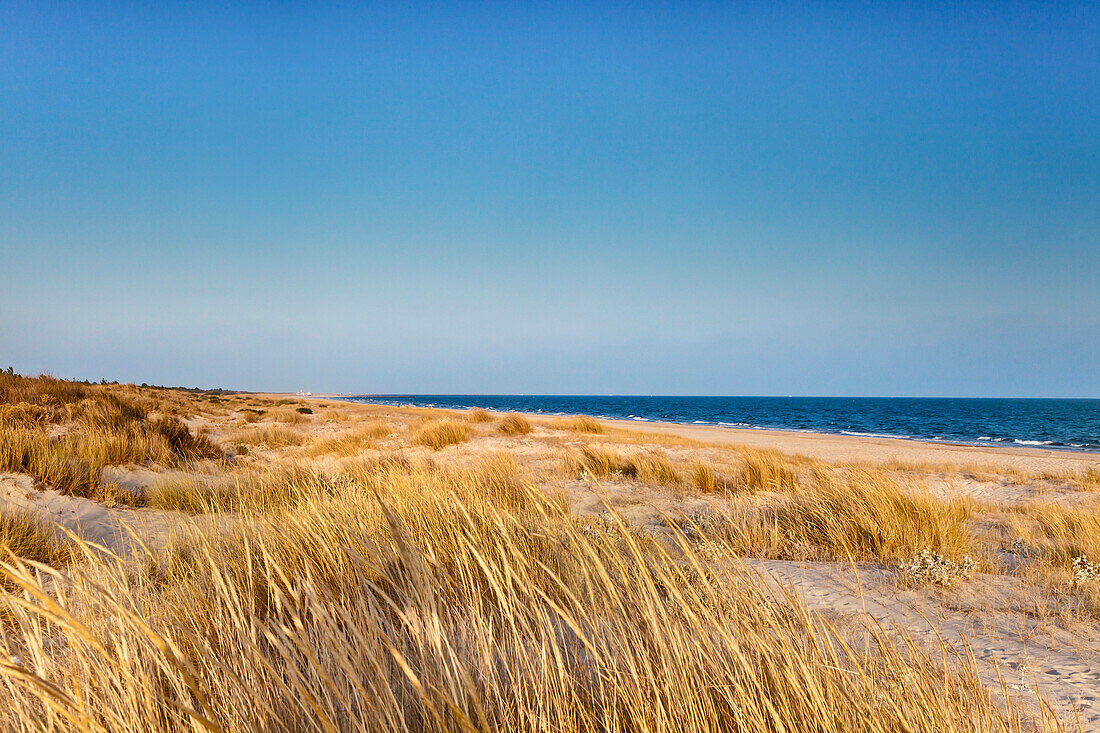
x: 256, y: 491
x: 414, y: 598
x: 288, y: 416
x: 29, y: 538
x: 73, y: 463
x: 578, y: 424
x: 271, y: 436
x: 407, y: 592
x: 842, y: 514
x: 477, y: 415
x: 437, y: 435
x: 515, y: 424
x: 101, y: 428
x: 602, y: 462
x: 1059, y: 533
x: 350, y: 442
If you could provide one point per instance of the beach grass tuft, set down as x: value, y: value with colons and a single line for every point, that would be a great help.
x: 437, y: 435
x: 515, y: 424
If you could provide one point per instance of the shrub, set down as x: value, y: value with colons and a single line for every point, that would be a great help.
x: 305, y: 410
x: 928, y: 567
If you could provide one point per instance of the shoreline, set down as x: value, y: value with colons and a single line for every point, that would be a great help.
x: 835, y: 447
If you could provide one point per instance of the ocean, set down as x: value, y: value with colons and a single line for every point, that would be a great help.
x: 1052, y: 423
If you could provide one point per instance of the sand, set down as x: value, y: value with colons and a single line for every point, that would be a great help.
x: 848, y: 448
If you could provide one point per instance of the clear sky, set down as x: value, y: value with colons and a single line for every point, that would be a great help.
x: 681, y: 198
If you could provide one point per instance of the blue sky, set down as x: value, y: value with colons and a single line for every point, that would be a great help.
x: 835, y: 198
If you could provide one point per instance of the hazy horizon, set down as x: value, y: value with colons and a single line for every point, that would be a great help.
x: 769, y: 199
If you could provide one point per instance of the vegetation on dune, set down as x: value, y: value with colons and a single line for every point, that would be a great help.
x: 350, y: 442
x: 477, y: 415
x: 411, y: 597
x: 63, y: 434
x: 437, y: 435
x: 601, y: 462
x: 515, y: 424
x: 579, y: 424
x: 382, y: 588
x: 1058, y: 534
x: 29, y: 538
x: 847, y: 514
x: 272, y: 436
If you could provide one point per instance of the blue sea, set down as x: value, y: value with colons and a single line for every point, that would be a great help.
x: 1065, y: 424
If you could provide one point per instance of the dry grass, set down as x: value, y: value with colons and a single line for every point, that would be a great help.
x: 73, y: 463
x: 271, y: 436
x: 1059, y: 533
x: 417, y: 598
x: 437, y: 435
x: 756, y: 471
x: 288, y: 416
x: 477, y: 415
x: 602, y: 462
x: 260, y: 491
x: 63, y: 434
x: 351, y: 442
x: 843, y: 514
x: 579, y: 424
x: 515, y: 424
x: 411, y: 592
x: 29, y: 538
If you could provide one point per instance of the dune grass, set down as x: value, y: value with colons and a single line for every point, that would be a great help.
x: 1057, y: 533
x: 63, y: 434
x: 756, y: 471
x: 515, y: 424
x: 350, y: 442
x: 437, y: 435
x: 29, y: 538
x: 477, y: 415
x: 73, y: 463
x: 270, y: 436
x: 578, y: 424
x: 847, y: 514
x: 409, y: 591
x: 413, y: 598
x: 603, y: 462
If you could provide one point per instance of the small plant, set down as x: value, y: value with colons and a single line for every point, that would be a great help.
x: 515, y: 424
x: 438, y: 435
x: 929, y: 567
x: 479, y: 415
x: 305, y: 411
x: 1084, y: 571
x: 579, y: 424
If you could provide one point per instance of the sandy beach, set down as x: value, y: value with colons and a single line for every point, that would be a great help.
x: 853, y: 448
